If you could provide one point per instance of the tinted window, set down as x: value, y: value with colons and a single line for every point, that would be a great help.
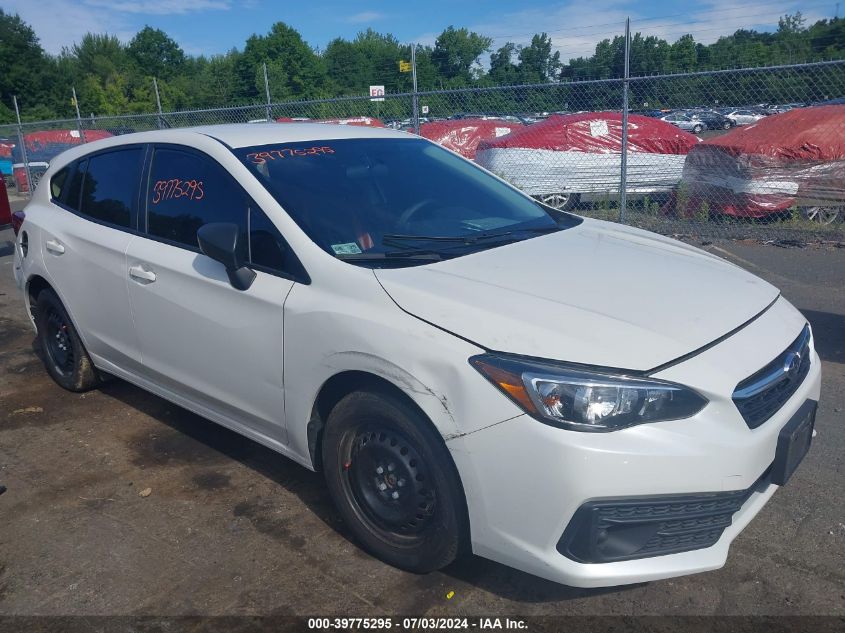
x: 111, y: 185
x: 186, y: 191
x: 74, y: 187
x: 58, y: 182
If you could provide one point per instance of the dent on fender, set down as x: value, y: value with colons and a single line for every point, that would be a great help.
x: 362, y: 361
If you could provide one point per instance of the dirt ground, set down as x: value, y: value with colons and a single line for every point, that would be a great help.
x: 230, y: 527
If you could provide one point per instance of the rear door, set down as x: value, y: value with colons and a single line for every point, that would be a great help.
x: 201, y: 338
x: 92, y: 219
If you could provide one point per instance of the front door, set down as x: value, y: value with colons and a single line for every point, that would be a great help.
x: 200, y: 337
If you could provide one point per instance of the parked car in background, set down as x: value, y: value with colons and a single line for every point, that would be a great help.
x: 712, y: 120
x: 744, y: 117
x: 572, y: 158
x: 791, y: 162
x: 656, y: 114
x: 471, y: 370
x: 684, y: 121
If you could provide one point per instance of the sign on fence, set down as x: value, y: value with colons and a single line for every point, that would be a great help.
x: 377, y: 93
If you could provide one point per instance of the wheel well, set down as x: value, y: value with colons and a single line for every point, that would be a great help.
x: 33, y: 288
x: 333, y: 391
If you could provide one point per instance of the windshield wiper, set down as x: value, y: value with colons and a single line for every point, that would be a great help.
x: 424, y: 255
x: 456, y: 239
x: 464, y: 239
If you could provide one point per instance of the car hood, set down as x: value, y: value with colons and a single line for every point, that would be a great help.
x: 599, y: 294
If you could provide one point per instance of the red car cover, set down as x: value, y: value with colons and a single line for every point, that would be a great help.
x: 464, y: 135
x: 597, y: 132
x: 797, y: 157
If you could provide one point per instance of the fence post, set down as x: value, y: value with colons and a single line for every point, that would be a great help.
x: 23, y: 150
x: 267, y: 91
x: 415, y: 98
x: 159, y: 119
x: 78, y: 116
x: 623, y: 181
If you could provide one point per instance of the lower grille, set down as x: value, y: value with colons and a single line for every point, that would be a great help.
x: 640, y: 527
x: 761, y: 395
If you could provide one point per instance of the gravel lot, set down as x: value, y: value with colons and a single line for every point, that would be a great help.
x: 232, y: 528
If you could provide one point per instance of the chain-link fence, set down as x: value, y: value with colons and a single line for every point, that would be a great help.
x: 749, y: 153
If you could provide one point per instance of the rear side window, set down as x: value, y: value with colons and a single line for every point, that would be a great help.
x: 58, y: 182
x: 185, y: 192
x: 74, y: 187
x: 111, y: 185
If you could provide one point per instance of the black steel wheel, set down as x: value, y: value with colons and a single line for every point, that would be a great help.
x: 389, y: 481
x: 58, y: 346
x: 393, y: 481
x: 64, y: 355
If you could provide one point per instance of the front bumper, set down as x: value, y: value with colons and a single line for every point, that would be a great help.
x: 525, y: 481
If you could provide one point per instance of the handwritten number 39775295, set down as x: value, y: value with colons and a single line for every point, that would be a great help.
x: 176, y: 188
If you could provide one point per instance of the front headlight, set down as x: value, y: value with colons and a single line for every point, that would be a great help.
x: 585, y: 400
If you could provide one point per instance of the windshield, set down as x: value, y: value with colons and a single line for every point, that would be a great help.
x: 371, y: 199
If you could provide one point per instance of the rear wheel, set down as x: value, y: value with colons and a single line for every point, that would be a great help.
x: 65, y: 357
x: 726, y: 125
x: 393, y: 482
x: 697, y: 129
x: 823, y: 215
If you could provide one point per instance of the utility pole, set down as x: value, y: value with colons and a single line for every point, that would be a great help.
x: 78, y: 116
x: 23, y: 148
x: 623, y: 180
x: 415, y: 99
x: 158, y: 104
x: 267, y: 91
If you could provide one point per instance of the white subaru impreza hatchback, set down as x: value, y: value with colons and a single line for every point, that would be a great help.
x: 472, y: 370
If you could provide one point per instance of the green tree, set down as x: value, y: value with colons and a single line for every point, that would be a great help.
x: 155, y: 53
x: 456, y: 53
x: 537, y: 62
x: 299, y: 72
x: 23, y: 65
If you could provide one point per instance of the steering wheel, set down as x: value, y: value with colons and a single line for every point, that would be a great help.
x: 408, y: 213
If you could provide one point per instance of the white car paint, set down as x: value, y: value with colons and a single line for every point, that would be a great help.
x: 597, y: 294
x: 744, y: 117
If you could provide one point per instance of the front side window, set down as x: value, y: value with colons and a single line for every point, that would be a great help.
x: 110, y: 186
x: 359, y: 197
x: 186, y: 191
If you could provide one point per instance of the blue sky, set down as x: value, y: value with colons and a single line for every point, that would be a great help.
x: 215, y: 26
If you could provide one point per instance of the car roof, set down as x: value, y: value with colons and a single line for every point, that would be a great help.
x: 237, y: 135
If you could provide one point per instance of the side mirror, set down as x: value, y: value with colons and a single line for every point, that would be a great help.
x: 219, y: 241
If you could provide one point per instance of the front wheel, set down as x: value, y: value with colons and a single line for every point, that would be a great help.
x: 393, y: 482
x: 65, y: 357
x: 560, y: 201
x: 697, y: 129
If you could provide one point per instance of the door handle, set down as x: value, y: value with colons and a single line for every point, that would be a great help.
x: 55, y: 247
x: 142, y: 274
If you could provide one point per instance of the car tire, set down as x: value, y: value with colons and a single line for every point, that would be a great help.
x: 726, y: 125
x: 393, y: 482
x: 560, y: 201
x: 64, y: 355
x: 697, y: 129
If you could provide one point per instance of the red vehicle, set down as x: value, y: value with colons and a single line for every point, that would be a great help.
x: 42, y: 147
x: 464, y: 135
x: 786, y: 161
